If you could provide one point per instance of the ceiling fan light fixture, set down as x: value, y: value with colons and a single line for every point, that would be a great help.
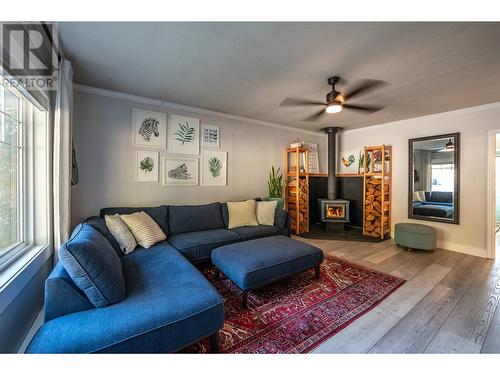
x: 333, y: 108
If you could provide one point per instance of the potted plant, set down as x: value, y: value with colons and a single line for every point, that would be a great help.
x: 275, y: 186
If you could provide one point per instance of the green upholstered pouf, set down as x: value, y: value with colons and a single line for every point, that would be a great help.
x: 415, y: 236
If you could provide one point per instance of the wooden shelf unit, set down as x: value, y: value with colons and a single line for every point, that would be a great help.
x: 377, y: 192
x: 297, y: 188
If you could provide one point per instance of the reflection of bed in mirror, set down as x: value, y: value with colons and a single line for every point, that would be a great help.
x: 434, y: 178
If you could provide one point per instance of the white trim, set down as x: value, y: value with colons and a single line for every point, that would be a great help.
x: 180, y: 107
x: 461, y: 111
x: 464, y: 249
x: 490, y: 194
x: 15, y: 277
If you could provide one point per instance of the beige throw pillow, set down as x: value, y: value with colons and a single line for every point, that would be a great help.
x: 144, y: 229
x: 419, y: 196
x: 266, y: 211
x: 242, y: 214
x: 121, y: 233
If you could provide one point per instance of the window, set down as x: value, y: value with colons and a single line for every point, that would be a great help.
x: 24, y: 175
x: 443, y: 177
x: 11, y: 171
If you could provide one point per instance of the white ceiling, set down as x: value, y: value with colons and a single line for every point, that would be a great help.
x: 247, y: 69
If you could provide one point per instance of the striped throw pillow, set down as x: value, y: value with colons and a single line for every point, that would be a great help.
x: 144, y: 229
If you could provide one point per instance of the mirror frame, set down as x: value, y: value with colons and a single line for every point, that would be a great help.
x: 456, y: 195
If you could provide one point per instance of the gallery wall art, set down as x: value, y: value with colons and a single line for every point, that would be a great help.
x: 149, y: 128
x: 214, y: 168
x: 184, y: 135
x: 146, y: 166
x: 180, y: 171
x: 210, y: 136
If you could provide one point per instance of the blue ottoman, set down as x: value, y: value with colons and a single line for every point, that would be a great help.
x: 256, y: 263
x: 415, y: 236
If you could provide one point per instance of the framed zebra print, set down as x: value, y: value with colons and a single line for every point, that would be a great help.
x: 149, y: 128
x: 180, y: 171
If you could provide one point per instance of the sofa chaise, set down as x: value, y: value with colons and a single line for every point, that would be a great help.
x: 169, y: 304
x: 437, y: 204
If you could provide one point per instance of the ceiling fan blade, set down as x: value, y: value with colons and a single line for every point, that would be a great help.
x: 363, y: 108
x: 315, y: 116
x: 364, y: 87
x: 296, y: 101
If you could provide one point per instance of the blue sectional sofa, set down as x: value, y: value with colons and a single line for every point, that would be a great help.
x: 437, y: 204
x: 168, y: 305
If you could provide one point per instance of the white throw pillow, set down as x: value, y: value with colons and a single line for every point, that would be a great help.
x: 419, y: 196
x: 145, y: 230
x: 266, y: 211
x: 121, y: 233
x: 242, y: 214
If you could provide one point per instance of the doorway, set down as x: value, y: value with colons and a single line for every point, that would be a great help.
x: 493, y: 197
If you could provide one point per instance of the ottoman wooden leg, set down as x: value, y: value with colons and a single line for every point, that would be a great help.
x: 213, y: 343
x: 217, y: 274
x: 317, y: 271
x: 244, y: 301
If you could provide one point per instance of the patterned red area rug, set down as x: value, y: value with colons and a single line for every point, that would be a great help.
x: 299, y: 313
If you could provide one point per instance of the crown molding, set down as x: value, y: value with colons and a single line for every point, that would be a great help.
x: 460, y: 111
x: 186, y: 108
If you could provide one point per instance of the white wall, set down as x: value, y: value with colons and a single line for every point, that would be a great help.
x: 106, y: 158
x: 473, y: 124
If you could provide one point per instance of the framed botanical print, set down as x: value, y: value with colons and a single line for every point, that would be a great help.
x: 214, y: 168
x: 184, y: 135
x: 149, y: 128
x: 210, y: 136
x: 146, y: 166
x: 180, y: 171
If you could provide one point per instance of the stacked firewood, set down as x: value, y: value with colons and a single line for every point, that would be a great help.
x: 373, y: 208
x: 301, y: 190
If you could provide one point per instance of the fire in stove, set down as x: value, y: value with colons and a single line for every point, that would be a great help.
x: 335, y: 211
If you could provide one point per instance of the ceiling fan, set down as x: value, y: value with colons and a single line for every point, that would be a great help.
x: 336, y: 101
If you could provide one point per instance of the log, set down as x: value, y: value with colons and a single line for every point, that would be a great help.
x: 370, y: 218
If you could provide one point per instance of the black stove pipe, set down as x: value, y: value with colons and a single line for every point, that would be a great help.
x: 332, y: 160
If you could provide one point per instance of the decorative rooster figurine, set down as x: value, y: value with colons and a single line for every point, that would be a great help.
x: 349, y: 160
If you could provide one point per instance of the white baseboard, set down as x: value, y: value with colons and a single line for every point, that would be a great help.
x: 464, y: 249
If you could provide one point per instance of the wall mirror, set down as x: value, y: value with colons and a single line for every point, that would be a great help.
x: 434, y: 178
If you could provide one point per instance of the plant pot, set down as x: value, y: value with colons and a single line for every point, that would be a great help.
x: 280, y: 204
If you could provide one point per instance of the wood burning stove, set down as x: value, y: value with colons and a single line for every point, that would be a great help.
x: 334, y: 212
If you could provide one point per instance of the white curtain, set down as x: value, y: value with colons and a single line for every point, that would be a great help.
x: 62, y: 153
x: 423, y: 168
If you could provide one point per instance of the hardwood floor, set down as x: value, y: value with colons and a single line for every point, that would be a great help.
x: 449, y: 304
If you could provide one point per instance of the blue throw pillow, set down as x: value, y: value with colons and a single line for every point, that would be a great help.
x: 93, y: 265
